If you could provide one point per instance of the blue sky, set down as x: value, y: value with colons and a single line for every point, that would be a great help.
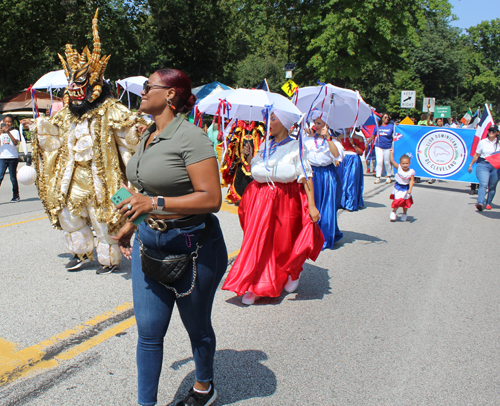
x: 473, y: 12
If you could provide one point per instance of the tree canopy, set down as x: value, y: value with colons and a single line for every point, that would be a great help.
x: 377, y: 47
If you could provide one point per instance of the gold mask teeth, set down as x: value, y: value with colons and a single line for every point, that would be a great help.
x: 65, y: 67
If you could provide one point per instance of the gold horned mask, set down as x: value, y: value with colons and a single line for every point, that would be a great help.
x: 84, y: 71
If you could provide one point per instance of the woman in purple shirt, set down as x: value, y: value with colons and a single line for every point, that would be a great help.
x: 383, y: 145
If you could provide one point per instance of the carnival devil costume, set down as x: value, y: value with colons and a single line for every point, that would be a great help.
x: 80, y: 155
x: 235, y: 168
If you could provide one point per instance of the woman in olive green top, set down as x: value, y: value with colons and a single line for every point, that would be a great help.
x: 176, y: 173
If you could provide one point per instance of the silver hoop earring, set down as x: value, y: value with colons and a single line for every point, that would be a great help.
x: 169, y: 102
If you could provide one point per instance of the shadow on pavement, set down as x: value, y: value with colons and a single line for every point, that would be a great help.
x: 239, y: 375
x: 436, y: 185
x: 236, y: 300
x: 31, y: 199
x: 314, y: 283
x: 491, y: 214
x: 124, y: 270
x: 373, y: 204
x: 351, y: 236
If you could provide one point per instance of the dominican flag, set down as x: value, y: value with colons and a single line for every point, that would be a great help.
x: 482, y: 130
x: 397, y: 136
x: 369, y: 126
x: 263, y: 85
x: 494, y: 160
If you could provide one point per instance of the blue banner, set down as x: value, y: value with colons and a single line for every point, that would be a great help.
x: 438, y: 152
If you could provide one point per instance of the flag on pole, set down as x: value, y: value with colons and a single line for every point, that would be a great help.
x: 467, y: 117
x: 263, y: 85
x: 369, y: 126
x: 482, y: 130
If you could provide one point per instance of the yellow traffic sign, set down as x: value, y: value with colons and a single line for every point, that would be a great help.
x: 408, y: 121
x: 289, y: 87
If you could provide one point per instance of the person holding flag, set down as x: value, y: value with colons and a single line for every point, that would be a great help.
x: 486, y: 173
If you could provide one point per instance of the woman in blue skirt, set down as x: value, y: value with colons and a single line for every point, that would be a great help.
x: 325, y: 154
x: 352, y: 172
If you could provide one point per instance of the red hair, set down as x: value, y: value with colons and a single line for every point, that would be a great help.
x: 181, y: 83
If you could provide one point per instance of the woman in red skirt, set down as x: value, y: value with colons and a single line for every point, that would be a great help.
x: 278, y: 217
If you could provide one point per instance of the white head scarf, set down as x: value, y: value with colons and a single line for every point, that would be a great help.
x: 287, y: 119
x: 316, y: 114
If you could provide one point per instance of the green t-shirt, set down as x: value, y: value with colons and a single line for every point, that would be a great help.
x: 160, y: 169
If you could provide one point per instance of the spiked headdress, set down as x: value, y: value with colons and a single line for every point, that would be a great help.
x: 85, y: 68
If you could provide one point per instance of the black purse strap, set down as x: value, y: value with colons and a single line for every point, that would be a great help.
x: 194, y: 255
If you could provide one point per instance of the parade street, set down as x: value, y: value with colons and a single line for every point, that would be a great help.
x: 399, y: 313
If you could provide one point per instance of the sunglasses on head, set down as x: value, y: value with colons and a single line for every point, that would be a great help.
x: 146, y: 87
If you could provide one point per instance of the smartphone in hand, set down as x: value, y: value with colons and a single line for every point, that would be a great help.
x: 120, y: 196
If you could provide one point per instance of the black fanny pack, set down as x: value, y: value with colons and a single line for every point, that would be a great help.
x: 166, y: 268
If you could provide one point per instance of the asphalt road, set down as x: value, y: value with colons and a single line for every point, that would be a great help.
x: 397, y: 314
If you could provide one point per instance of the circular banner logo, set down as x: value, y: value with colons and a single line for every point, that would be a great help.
x: 441, y: 153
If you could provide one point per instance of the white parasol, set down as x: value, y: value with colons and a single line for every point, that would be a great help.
x: 248, y: 104
x: 52, y: 80
x: 340, y: 108
x: 133, y: 84
x: 251, y: 105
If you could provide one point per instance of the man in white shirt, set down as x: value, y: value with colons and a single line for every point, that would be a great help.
x: 9, y: 157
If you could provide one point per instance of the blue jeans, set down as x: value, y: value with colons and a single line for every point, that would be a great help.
x: 488, y: 178
x: 12, y: 165
x: 153, y: 303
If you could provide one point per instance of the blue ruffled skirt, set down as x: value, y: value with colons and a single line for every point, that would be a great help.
x: 327, y: 196
x: 352, y: 183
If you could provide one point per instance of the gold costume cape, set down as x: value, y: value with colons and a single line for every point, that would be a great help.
x: 81, y: 160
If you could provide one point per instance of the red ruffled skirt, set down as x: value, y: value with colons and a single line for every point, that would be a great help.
x: 401, y: 202
x: 279, y: 237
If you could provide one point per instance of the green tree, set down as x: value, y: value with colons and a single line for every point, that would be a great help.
x: 253, y: 69
x: 41, y: 29
x: 483, y: 64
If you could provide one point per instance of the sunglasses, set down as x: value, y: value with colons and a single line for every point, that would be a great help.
x: 146, y: 87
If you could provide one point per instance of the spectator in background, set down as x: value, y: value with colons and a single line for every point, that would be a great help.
x: 9, y: 157
x: 438, y: 122
x: 423, y: 119
x: 383, y: 145
x: 451, y: 123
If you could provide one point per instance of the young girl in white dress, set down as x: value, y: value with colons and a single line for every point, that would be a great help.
x: 401, y: 193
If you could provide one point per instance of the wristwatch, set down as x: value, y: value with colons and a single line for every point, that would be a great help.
x: 160, y: 203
